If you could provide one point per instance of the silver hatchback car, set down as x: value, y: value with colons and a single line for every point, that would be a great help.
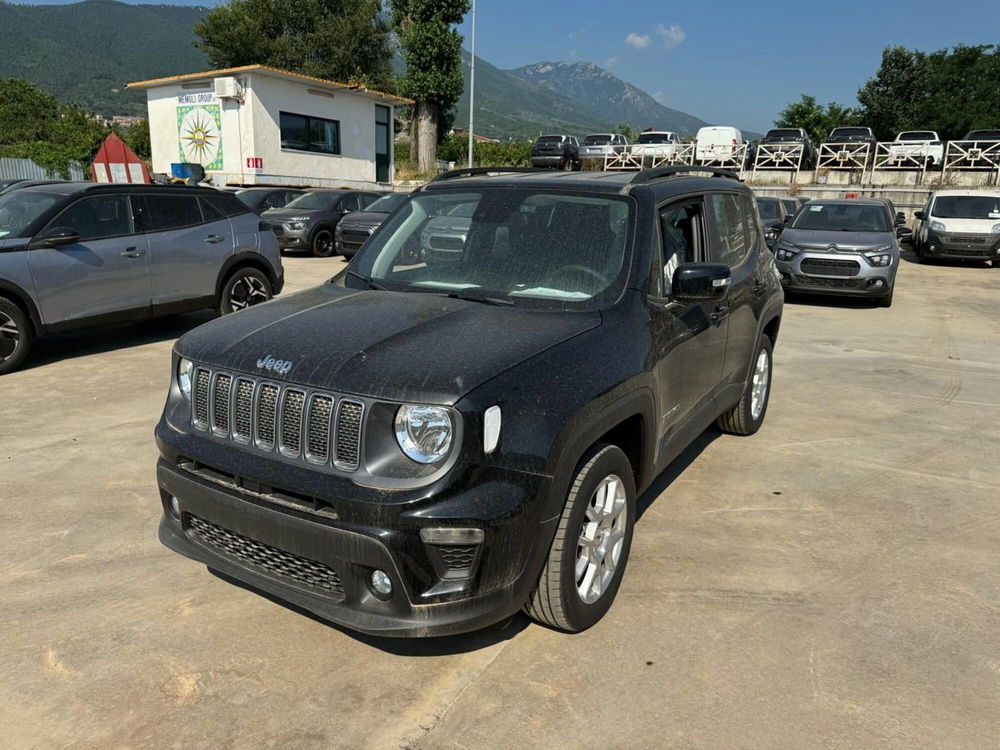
x: 841, y: 247
x: 78, y: 254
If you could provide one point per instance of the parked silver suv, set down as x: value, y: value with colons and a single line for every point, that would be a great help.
x: 846, y: 247
x: 78, y: 254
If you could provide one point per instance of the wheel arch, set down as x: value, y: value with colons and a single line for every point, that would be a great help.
x: 22, y: 299
x: 244, y: 260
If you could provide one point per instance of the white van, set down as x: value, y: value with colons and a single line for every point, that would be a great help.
x: 719, y: 144
x: 960, y: 224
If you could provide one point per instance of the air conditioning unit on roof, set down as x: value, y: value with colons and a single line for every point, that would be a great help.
x: 227, y: 88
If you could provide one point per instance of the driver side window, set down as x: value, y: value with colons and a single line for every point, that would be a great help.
x: 681, y: 240
x: 98, y: 217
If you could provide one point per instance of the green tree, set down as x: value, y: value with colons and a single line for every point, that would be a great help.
x: 26, y: 113
x: 432, y: 54
x: 815, y: 118
x: 137, y: 138
x: 949, y: 91
x: 342, y: 40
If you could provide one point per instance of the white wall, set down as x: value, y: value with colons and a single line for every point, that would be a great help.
x: 251, y: 130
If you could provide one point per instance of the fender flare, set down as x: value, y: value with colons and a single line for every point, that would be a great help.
x: 21, y: 297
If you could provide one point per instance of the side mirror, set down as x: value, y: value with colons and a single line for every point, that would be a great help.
x: 56, y: 236
x: 699, y: 282
x: 903, y: 232
x: 920, y: 215
x: 789, y: 218
x: 900, y: 219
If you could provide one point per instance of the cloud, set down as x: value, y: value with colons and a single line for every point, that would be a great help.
x: 639, y: 41
x: 660, y: 96
x: 611, y: 63
x: 670, y: 36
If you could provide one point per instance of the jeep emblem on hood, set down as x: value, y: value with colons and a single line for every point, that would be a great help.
x: 277, y: 366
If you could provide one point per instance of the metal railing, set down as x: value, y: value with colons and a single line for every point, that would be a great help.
x: 898, y: 155
x: 648, y: 156
x: 961, y: 155
x: 734, y: 159
x: 844, y: 156
x: 786, y: 156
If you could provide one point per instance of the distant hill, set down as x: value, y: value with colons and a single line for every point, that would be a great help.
x: 607, y: 95
x: 86, y: 52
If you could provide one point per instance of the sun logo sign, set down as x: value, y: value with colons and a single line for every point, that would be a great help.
x: 199, y: 134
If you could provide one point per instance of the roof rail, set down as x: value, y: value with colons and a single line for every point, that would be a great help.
x: 646, y: 176
x: 473, y: 171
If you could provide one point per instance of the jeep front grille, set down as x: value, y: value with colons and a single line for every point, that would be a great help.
x: 297, y: 423
x: 259, y: 555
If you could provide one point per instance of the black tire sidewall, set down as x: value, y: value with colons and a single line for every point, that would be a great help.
x: 24, y: 335
x: 315, y: 239
x: 611, y: 461
x: 225, y: 307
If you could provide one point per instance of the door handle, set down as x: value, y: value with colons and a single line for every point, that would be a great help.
x: 214, y: 238
x: 133, y: 252
x: 720, y: 312
x: 759, y: 287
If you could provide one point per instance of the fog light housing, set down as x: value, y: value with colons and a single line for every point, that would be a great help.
x: 175, y: 507
x: 878, y: 284
x: 381, y: 584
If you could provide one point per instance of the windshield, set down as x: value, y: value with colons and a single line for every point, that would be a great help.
x: 782, y: 134
x: 387, y: 203
x: 541, y: 248
x: 19, y: 209
x: 916, y: 135
x: 311, y: 201
x: 848, y: 132
x: 966, y: 207
x: 984, y: 135
x: 550, y: 139
x: 654, y: 138
x: 768, y: 208
x: 842, y: 217
x: 597, y: 140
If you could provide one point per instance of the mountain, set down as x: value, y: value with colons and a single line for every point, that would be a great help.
x: 86, y: 52
x: 508, y: 106
x: 607, y: 95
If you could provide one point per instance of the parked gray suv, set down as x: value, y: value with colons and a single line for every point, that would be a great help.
x: 78, y: 254
x: 844, y: 247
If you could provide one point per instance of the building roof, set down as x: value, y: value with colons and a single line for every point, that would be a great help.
x: 275, y: 73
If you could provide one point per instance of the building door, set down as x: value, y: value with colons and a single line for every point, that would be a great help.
x: 383, y: 143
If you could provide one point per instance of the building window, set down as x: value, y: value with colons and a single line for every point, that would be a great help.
x: 304, y: 133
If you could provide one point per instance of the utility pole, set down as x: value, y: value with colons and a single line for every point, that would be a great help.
x: 472, y: 81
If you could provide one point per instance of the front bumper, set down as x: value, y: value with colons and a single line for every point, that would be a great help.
x: 317, y: 550
x: 804, y: 273
x: 292, y: 239
x: 962, y: 247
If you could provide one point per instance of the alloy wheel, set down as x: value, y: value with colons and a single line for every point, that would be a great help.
x: 247, y: 292
x: 761, y: 382
x: 10, y: 337
x: 602, y: 536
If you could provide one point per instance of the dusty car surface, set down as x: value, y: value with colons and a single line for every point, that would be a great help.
x: 419, y: 448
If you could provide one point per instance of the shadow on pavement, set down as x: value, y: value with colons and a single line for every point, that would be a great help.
x: 48, y: 349
x: 444, y: 645
x: 674, y: 470
x: 911, y: 257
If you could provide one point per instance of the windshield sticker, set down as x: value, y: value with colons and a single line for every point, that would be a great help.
x: 815, y: 208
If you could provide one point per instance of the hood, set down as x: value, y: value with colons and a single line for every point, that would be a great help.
x: 845, y: 242
x: 399, y: 346
x: 362, y: 219
x: 967, y: 226
x: 284, y: 214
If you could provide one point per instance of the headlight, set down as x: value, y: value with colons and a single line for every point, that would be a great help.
x: 880, y: 259
x: 996, y: 229
x: 784, y: 251
x: 295, y: 226
x: 937, y: 226
x: 770, y: 234
x: 185, y: 370
x: 424, y: 433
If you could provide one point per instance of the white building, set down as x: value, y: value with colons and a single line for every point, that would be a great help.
x: 256, y: 125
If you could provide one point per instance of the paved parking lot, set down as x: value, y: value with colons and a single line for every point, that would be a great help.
x: 831, y: 582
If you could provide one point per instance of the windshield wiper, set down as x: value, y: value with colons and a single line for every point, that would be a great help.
x: 484, y: 300
x: 369, y: 281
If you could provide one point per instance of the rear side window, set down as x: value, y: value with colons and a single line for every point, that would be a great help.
x: 166, y: 212
x: 732, y: 240
x: 227, y: 203
x: 209, y: 211
x: 97, y: 217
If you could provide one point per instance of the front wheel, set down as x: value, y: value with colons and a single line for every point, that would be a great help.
x: 587, y: 559
x: 748, y: 415
x: 245, y: 288
x: 15, y: 336
x: 322, y: 244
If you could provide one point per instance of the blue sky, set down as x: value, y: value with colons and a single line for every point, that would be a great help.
x: 727, y: 62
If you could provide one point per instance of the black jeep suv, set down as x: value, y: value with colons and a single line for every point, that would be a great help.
x: 419, y: 448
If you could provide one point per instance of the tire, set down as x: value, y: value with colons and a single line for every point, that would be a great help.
x: 886, y: 301
x: 557, y: 600
x: 322, y: 243
x: 995, y: 263
x: 567, y: 165
x: 15, y: 335
x: 245, y: 287
x: 748, y: 415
